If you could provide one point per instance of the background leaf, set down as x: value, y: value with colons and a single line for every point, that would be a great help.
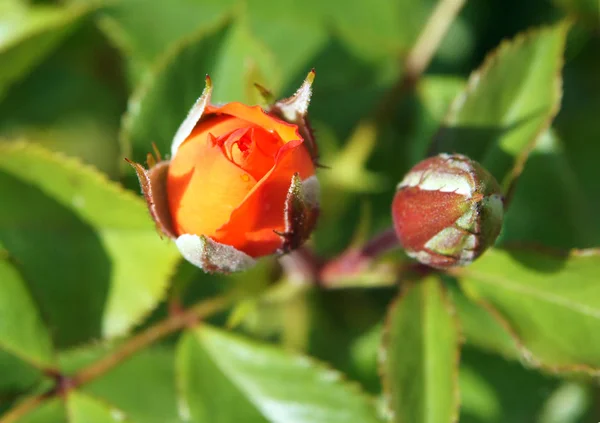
x: 22, y: 331
x: 163, y: 99
x: 216, y: 369
x: 150, y: 374
x: 420, y: 355
x: 30, y: 33
x: 551, y: 304
x: 508, y: 102
x: 52, y: 410
x: 480, y: 328
x: 84, y: 250
x: 549, y: 206
x: 132, y: 26
x: 85, y: 409
x: 52, y: 105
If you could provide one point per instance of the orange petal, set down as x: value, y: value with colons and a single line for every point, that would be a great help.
x: 216, y: 126
x: 252, y: 225
x: 252, y: 149
x: 256, y: 115
x: 204, y: 187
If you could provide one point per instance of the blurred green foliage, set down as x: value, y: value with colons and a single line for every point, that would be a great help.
x: 85, y: 83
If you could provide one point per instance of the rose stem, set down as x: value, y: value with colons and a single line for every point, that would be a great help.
x: 353, y: 260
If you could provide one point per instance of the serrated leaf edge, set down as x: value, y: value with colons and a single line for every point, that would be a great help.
x: 76, y: 164
x: 525, y: 353
x: 489, y: 62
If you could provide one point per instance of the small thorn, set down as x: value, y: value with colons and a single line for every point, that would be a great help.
x: 311, y: 76
x: 208, y: 81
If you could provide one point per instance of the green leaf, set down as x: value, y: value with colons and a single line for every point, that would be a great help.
x: 419, y: 361
x: 549, y: 206
x: 142, y: 37
x: 17, y: 376
x: 79, y: 238
x: 294, y: 31
x: 550, y: 303
x: 434, y: 94
x: 378, y: 28
x: 479, y: 327
x: 22, y: 332
x: 75, y: 407
x: 231, y: 55
x: 494, y: 390
x: 52, y: 104
x: 82, y: 408
x: 586, y: 10
x: 508, y: 102
x: 149, y: 374
x: 30, y: 33
x: 52, y: 410
x: 216, y: 369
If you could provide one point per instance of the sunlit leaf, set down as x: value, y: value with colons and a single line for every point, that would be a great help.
x: 508, y: 102
x: 419, y: 361
x: 82, y: 408
x: 216, y: 369
x: 549, y: 303
x: 480, y: 328
x: 79, y: 237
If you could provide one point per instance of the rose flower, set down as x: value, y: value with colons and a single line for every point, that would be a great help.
x: 240, y: 183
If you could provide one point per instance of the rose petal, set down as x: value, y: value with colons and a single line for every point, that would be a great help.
x: 211, y: 256
x: 252, y: 225
x: 253, y: 149
x: 204, y: 188
x: 257, y: 116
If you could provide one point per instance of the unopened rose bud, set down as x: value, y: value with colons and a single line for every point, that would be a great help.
x: 447, y: 211
x: 240, y: 183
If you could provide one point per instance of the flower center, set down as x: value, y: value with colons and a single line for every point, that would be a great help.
x: 252, y: 149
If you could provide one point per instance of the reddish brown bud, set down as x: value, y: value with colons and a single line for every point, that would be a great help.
x: 447, y: 211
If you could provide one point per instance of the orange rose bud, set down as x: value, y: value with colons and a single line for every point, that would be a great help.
x: 240, y: 184
x: 447, y: 211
